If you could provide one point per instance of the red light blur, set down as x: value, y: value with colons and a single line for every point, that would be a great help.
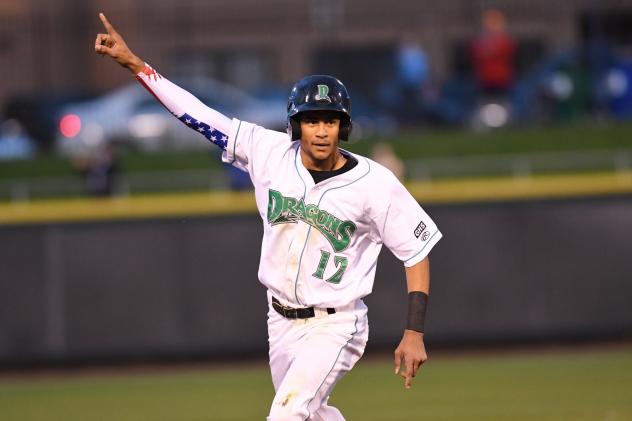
x: 70, y: 125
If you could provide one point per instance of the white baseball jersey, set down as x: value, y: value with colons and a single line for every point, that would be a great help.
x: 321, y: 241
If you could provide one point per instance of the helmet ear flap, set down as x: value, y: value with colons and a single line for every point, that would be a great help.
x: 294, y: 128
x: 345, y: 129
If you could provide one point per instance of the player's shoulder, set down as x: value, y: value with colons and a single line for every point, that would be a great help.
x: 378, y: 185
x: 378, y: 175
x: 252, y: 129
x: 261, y: 138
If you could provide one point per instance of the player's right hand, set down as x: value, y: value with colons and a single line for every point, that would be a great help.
x: 113, y: 45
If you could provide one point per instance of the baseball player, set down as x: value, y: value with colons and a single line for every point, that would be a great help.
x: 326, y: 213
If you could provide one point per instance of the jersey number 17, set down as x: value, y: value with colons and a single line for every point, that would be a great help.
x: 341, y: 263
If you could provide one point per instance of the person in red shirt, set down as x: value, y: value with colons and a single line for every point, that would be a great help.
x: 493, y: 55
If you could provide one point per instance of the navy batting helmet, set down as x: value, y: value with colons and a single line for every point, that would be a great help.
x: 316, y: 93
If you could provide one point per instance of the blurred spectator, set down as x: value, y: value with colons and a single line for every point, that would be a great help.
x: 14, y: 142
x: 412, y: 65
x: 384, y: 154
x: 412, y: 73
x: 619, y: 87
x: 569, y: 90
x: 99, y: 170
x: 493, y: 55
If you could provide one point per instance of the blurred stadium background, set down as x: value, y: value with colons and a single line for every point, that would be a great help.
x: 124, y: 242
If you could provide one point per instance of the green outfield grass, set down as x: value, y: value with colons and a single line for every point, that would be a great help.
x: 569, y: 385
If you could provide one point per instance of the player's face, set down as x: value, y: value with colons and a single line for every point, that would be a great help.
x: 319, y: 136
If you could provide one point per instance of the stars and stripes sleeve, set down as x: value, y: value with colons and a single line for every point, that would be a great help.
x: 187, y: 108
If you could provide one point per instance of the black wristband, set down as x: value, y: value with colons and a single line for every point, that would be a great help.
x: 417, y: 302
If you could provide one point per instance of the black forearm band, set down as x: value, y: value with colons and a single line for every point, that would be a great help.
x: 417, y: 302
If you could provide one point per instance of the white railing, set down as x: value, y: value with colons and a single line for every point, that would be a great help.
x: 516, y: 165
x: 142, y: 182
x: 519, y: 165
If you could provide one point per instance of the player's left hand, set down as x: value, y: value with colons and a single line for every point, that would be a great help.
x: 412, y: 352
x: 113, y: 45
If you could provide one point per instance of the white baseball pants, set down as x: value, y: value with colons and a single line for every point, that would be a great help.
x: 309, y: 356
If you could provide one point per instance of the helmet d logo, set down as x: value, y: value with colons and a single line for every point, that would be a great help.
x: 323, y: 93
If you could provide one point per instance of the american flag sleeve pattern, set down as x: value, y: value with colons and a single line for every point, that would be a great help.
x: 186, y: 107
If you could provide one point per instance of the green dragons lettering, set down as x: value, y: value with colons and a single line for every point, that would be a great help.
x: 288, y: 210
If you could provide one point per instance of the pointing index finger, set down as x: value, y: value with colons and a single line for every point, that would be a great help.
x: 107, y: 24
x: 409, y: 374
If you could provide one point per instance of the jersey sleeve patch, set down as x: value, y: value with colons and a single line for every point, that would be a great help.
x: 421, y: 229
x: 212, y: 134
x: 428, y: 242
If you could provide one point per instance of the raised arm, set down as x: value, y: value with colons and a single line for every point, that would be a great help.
x: 187, y: 108
x: 113, y: 45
